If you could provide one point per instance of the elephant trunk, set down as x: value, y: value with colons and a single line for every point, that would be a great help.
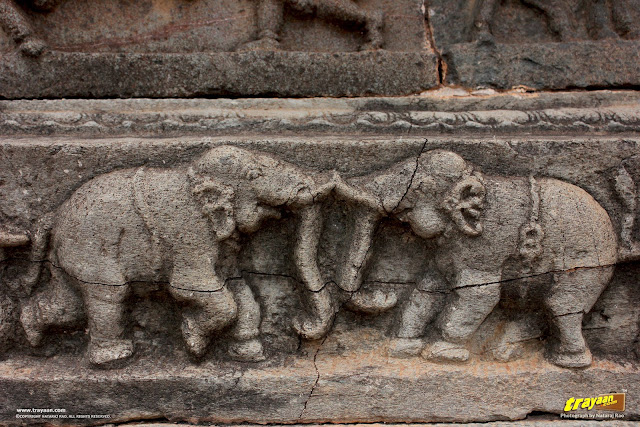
x: 39, y: 246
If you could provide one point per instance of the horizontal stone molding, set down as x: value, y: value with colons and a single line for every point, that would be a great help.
x: 432, y: 114
x: 256, y: 73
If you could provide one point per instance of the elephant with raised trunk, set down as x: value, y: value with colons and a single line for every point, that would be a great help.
x: 171, y: 226
x: 482, y: 226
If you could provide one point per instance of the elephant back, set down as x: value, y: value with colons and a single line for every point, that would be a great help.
x: 94, y: 228
x: 578, y: 231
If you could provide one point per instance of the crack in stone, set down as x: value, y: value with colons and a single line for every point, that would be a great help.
x: 513, y: 279
x: 317, y: 352
x: 530, y: 276
x: 413, y: 175
x: 315, y: 384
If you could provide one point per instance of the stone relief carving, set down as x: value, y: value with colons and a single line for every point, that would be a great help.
x: 270, y: 18
x: 484, y: 226
x: 183, y: 227
x: 605, y: 19
x: 15, y: 23
x: 347, y: 13
x: 154, y: 225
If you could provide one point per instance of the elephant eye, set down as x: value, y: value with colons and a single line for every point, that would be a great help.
x: 404, y: 215
x: 254, y: 173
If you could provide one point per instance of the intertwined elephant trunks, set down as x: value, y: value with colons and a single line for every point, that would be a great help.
x: 329, y: 260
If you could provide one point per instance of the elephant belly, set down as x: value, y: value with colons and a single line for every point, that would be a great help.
x: 100, y: 238
x: 578, y: 231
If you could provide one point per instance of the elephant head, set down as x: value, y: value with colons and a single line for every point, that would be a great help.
x: 444, y: 192
x: 239, y: 188
x: 438, y: 194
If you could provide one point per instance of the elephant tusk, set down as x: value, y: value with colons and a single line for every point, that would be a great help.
x: 8, y: 240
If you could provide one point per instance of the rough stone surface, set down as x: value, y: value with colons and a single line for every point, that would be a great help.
x: 214, y: 48
x: 539, y: 44
x: 175, y: 75
x: 545, y: 66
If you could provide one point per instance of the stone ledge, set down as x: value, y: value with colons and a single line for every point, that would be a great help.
x: 111, y: 75
x: 549, y: 66
x: 354, y: 387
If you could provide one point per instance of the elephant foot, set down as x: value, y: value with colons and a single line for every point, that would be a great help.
x: 371, y: 45
x: 312, y: 329
x: 581, y: 359
x: 103, y: 352
x: 405, y: 347
x: 194, y: 337
x: 444, y: 351
x: 375, y: 302
x: 247, y: 350
x: 31, y: 325
x: 485, y: 38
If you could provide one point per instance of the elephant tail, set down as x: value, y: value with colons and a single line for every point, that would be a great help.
x: 627, y: 191
x: 39, y: 246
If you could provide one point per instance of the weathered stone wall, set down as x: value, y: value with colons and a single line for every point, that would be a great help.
x: 465, y: 252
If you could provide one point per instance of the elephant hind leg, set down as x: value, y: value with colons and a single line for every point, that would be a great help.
x: 59, y: 305
x: 246, y: 331
x: 105, y: 308
x: 206, y: 312
x: 573, y: 294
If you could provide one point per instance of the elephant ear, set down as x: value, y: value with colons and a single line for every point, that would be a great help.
x: 216, y: 201
x: 465, y: 202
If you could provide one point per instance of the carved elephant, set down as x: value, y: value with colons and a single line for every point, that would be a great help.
x: 482, y: 224
x: 170, y: 226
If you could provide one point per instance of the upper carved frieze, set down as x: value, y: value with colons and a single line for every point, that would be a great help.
x: 218, y: 26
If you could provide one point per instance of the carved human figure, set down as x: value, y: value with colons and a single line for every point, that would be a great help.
x: 481, y: 224
x: 169, y: 226
x: 605, y: 18
x: 270, y: 15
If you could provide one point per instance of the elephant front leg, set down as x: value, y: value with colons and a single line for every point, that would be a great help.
x: 105, y: 310
x: 475, y: 297
x: 483, y: 12
x: 317, y: 295
x: 421, y: 308
x: 246, y: 331
x: 205, y: 313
